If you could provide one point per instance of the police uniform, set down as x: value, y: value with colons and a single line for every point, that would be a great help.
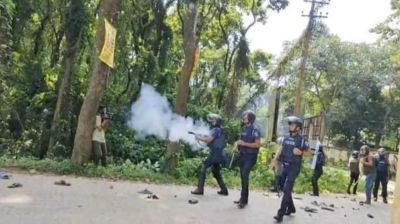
x: 382, y: 170
x: 247, y: 159
x: 318, y: 170
x: 291, y: 168
x: 216, y: 157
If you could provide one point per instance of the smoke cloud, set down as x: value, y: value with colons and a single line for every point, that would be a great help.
x: 151, y: 115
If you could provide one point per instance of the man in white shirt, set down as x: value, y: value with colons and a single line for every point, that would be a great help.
x: 99, y: 139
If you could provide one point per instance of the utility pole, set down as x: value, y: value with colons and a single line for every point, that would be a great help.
x: 304, y: 53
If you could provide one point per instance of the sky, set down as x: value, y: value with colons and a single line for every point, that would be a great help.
x: 351, y: 20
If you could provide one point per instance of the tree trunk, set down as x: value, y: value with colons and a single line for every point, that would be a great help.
x: 189, y: 46
x: 73, y: 33
x: 83, y: 137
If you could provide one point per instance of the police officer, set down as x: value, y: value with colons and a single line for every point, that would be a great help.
x: 382, y: 175
x: 354, y: 166
x: 290, y: 153
x: 248, y: 146
x: 318, y: 169
x: 278, y: 171
x: 216, y: 142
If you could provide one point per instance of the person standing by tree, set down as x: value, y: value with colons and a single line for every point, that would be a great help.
x: 293, y: 147
x: 318, y: 169
x: 103, y: 119
x: 248, y: 146
x: 354, y: 166
x: 369, y: 170
x: 216, y: 142
x: 382, y: 175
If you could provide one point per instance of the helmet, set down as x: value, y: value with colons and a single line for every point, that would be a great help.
x: 355, y: 154
x: 251, y: 116
x: 217, y: 117
x: 365, y: 149
x: 381, y: 151
x: 293, y: 119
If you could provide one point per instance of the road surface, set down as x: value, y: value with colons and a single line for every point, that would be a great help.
x: 97, y: 201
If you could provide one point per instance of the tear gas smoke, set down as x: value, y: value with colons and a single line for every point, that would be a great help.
x: 151, y: 115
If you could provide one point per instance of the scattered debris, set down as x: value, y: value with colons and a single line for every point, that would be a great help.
x: 4, y: 176
x: 145, y: 191
x: 310, y: 210
x: 62, y: 183
x: 111, y: 187
x: 328, y: 209
x: 332, y: 205
x: 342, y: 206
x: 298, y: 198
x: 315, y: 203
x: 153, y: 196
x: 15, y: 185
x: 345, y: 215
x: 79, y: 206
x: 353, y: 199
x: 193, y: 201
x: 371, y: 216
x: 175, y: 196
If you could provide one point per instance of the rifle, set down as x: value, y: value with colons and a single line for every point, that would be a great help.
x: 195, y: 134
x: 233, y: 155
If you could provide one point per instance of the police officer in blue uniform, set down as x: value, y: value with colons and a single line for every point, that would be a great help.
x: 382, y: 175
x: 248, y: 146
x: 216, y: 142
x: 290, y: 154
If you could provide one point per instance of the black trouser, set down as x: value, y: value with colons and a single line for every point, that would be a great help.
x: 353, y: 179
x: 381, y: 178
x: 246, y: 162
x: 289, y: 174
x: 216, y: 171
x: 100, y: 153
x: 318, y: 171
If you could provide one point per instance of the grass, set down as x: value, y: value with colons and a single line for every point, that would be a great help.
x: 261, y: 178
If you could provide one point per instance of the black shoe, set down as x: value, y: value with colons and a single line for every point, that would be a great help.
x: 348, y: 192
x: 385, y: 200
x: 241, y: 205
x: 197, y: 192
x: 223, y: 192
x: 375, y: 199
x: 278, y: 218
x: 289, y: 212
x: 315, y: 195
x: 237, y: 202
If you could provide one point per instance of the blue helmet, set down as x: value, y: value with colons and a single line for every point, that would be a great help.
x: 296, y: 120
x: 217, y: 117
x: 251, y: 116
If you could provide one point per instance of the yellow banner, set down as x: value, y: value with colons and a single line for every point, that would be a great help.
x: 107, y: 52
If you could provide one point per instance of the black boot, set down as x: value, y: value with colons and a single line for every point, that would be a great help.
x: 223, y: 192
x: 278, y: 218
x: 197, y: 192
x: 242, y: 204
x: 385, y: 200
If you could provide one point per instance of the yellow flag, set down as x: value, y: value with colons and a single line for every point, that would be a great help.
x: 107, y: 52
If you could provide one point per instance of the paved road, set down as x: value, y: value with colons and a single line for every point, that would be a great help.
x: 99, y: 201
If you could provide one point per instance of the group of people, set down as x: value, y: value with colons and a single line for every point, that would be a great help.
x: 376, y: 171
x: 287, y: 159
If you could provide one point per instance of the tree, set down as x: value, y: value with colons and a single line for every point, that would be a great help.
x: 75, y: 25
x: 189, y: 47
x: 83, y: 138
